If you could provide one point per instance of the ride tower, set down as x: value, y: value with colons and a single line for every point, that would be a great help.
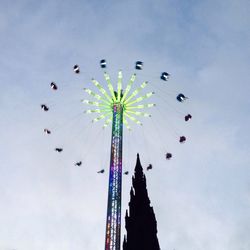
x: 116, y: 107
x: 113, y: 222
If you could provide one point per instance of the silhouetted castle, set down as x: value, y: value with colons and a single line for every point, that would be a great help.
x: 140, y: 224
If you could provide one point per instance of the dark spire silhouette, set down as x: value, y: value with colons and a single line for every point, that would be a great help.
x: 140, y: 222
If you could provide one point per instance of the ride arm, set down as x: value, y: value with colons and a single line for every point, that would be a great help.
x: 132, y: 79
x: 110, y: 86
x: 143, y: 85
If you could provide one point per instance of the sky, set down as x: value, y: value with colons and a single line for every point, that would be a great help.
x: 201, y: 197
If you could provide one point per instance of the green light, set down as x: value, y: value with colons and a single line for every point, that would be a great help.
x: 101, y: 89
x: 119, y: 86
x: 139, y: 113
x: 132, y: 79
x: 107, y: 122
x: 126, y: 124
x: 133, y: 119
x: 90, y: 92
x: 91, y: 103
x: 143, y: 85
x: 107, y: 101
x: 101, y: 117
x: 142, y: 106
x: 89, y: 111
x: 139, y: 99
x: 110, y: 86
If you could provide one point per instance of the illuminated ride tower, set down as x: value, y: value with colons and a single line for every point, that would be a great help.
x: 116, y: 107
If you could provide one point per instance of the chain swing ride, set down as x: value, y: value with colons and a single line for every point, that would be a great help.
x: 117, y: 107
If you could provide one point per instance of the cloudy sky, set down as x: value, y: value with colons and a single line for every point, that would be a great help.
x: 201, y: 197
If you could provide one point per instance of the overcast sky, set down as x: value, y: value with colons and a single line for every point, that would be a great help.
x: 201, y: 197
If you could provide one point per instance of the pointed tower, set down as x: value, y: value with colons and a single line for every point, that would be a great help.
x: 140, y: 222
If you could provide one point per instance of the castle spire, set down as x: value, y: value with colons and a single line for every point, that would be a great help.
x: 138, y: 167
x: 140, y: 223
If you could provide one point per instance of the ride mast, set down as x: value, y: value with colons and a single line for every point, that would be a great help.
x: 113, y: 221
